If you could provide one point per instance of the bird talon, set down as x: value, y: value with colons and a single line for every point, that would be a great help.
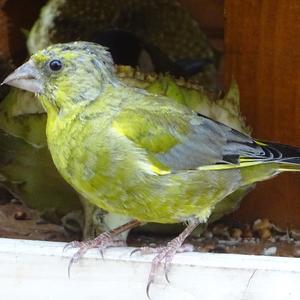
x: 141, y: 250
x: 77, y: 255
x: 166, y: 271
x: 135, y: 251
x: 69, y: 266
x: 145, y: 250
x: 100, y: 250
x: 148, y: 289
x: 71, y: 245
x: 166, y: 254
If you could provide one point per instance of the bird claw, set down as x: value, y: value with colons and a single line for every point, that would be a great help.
x: 148, y: 289
x: 146, y: 250
x: 102, y: 242
x: 71, y: 262
x: 167, y: 269
x: 135, y: 251
x: 71, y: 245
x: 164, y: 255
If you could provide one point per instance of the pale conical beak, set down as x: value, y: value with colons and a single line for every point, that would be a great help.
x: 26, y: 77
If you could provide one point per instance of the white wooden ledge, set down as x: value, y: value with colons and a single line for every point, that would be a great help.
x: 38, y: 270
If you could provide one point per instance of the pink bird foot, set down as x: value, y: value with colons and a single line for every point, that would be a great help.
x: 165, y: 254
x: 101, y: 242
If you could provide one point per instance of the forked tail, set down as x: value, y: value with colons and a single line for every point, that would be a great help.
x: 287, y: 156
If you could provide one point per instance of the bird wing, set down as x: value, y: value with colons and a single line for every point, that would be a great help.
x: 176, y: 138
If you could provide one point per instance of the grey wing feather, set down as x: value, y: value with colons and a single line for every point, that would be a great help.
x: 209, y: 142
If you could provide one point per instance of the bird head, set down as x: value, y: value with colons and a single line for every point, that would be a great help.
x: 65, y: 75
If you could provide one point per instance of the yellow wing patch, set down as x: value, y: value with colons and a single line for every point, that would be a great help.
x: 118, y: 129
x: 152, y: 165
x: 260, y: 143
x: 229, y: 166
x: 246, y: 159
x: 159, y: 171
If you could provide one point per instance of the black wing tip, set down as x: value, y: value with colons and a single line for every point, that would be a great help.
x: 283, y: 153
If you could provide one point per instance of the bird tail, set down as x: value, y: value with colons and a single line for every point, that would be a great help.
x: 287, y: 157
x: 273, y: 159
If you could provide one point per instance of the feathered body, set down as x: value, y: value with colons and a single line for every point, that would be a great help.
x: 135, y: 153
x: 127, y: 179
x: 23, y: 121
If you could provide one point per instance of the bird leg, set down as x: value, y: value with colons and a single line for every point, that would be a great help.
x: 166, y: 254
x: 101, y: 242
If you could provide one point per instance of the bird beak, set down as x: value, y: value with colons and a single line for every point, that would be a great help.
x: 26, y: 77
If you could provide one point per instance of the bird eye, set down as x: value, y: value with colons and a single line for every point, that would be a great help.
x: 55, y: 65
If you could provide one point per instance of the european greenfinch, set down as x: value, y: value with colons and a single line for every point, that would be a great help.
x: 136, y: 153
x: 23, y: 139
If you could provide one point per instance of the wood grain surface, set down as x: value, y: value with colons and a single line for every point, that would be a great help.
x: 262, y: 51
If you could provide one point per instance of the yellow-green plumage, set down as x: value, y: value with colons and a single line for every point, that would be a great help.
x: 120, y: 176
x: 23, y: 121
x: 136, y: 153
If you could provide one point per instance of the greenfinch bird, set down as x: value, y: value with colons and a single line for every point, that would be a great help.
x: 136, y: 153
x: 23, y: 139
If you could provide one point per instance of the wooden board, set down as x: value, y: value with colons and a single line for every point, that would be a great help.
x: 262, y: 51
x: 38, y: 270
